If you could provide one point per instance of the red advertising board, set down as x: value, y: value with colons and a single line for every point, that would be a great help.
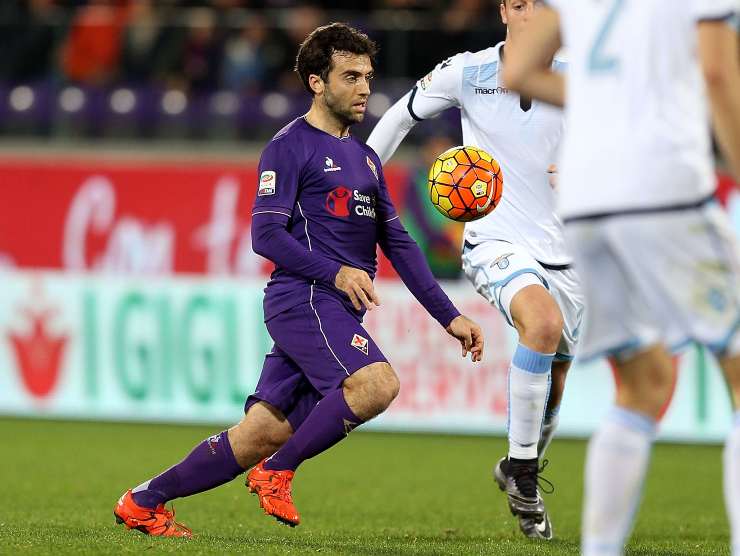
x: 133, y: 217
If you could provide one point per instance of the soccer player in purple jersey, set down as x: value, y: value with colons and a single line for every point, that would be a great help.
x: 322, y: 207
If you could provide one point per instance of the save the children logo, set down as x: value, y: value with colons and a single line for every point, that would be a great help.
x: 38, y: 349
x: 337, y: 201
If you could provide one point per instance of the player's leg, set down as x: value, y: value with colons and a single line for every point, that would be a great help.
x: 623, y: 270
x: 209, y: 464
x: 342, y: 362
x: 619, y: 452
x: 552, y: 409
x: 731, y: 368
x: 539, y: 323
x: 223, y: 456
x: 363, y: 395
x: 511, y: 280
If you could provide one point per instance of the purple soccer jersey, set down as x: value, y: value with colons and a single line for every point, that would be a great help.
x: 322, y: 203
x: 330, y: 196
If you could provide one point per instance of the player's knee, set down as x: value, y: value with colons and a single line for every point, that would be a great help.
x: 373, y: 387
x: 389, y: 386
x: 542, y: 331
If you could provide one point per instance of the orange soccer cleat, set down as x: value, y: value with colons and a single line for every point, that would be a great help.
x: 273, y: 489
x: 157, y: 522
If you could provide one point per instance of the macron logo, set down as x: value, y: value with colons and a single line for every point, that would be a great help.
x: 329, y: 163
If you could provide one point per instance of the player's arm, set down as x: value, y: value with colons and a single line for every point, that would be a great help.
x: 431, y: 95
x: 279, y: 170
x: 720, y: 61
x: 410, y: 264
x: 528, y: 67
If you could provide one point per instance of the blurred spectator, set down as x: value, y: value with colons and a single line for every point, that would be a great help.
x: 201, y: 50
x: 438, y: 237
x: 247, y: 56
x: 28, y: 39
x: 141, y: 42
x: 91, y: 51
x: 299, y: 22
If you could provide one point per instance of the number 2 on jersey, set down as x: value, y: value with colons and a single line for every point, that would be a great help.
x: 599, y: 61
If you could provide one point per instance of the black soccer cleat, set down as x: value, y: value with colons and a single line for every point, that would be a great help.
x: 518, y: 479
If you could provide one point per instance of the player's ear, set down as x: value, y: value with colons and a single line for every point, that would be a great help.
x: 316, y: 84
x: 502, y: 12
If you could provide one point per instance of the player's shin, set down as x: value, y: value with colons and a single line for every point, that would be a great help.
x: 329, y: 422
x: 210, y: 464
x: 549, y: 426
x: 529, y: 384
x: 732, y: 482
x: 616, y: 464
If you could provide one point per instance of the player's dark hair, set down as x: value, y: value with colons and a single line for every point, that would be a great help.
x: 314, y: 54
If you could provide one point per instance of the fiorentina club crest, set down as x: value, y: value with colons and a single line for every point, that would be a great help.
x: 371, y: 164
x: 213, y: 443
x: 38, y: 350
x: 360, y: 343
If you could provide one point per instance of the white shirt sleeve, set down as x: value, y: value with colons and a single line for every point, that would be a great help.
x: 435, y: 92
x: 715, y: 10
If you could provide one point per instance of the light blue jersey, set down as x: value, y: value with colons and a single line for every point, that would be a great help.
x: 523, y: 136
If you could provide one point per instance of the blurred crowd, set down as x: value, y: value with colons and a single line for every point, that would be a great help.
x: 238, y: 45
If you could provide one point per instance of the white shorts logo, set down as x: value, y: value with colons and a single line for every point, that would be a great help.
x: 267, y: 183
x: 360, y: 343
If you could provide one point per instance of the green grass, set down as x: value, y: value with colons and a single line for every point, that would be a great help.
x: 375, y: 494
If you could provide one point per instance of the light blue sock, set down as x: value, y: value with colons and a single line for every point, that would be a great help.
x: 529, y: 387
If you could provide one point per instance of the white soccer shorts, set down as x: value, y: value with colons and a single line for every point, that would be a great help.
x: 670, y: 277
x: 499, y: 269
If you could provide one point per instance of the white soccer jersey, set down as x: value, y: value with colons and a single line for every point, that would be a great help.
x: 522, y: 136
x: 638, y: 133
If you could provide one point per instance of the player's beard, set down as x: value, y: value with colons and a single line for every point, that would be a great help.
x: 343, y: 114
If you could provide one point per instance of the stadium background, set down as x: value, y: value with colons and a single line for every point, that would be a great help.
x: 129, y: 137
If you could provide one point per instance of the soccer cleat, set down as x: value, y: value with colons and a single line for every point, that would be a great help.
x: 273, y: 489
x: 519, y: 481
x: 158, y: 522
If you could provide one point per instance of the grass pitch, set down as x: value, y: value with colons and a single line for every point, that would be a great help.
x: 374, y: 494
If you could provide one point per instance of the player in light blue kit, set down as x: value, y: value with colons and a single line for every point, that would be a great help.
x: 659, y: 259
x: 516, y: 256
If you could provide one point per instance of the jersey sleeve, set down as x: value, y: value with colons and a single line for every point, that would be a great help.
x: 278, y: 175
x: 715, y: 10
x: 438, y: 90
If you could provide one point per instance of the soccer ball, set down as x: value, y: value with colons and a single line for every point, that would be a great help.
x: 465, y: 183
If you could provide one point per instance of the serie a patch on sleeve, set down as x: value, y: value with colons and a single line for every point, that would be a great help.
x: 267, y: 183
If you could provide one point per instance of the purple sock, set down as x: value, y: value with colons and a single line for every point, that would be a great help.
x: 329, y: 422
x: 210, y: 464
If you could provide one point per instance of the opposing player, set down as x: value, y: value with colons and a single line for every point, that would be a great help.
x: 322, y: 207
x: 657, y: 255
x: 515, y: 257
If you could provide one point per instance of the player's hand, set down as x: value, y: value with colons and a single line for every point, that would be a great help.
x: 470, y: 336
x: 357, y: 285
x: 552, y: 176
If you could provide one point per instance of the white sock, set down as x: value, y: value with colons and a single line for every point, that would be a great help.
x: 616, y: 465
x: 549, y: 425
x: 529, y: 386
x: 732, y: 483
